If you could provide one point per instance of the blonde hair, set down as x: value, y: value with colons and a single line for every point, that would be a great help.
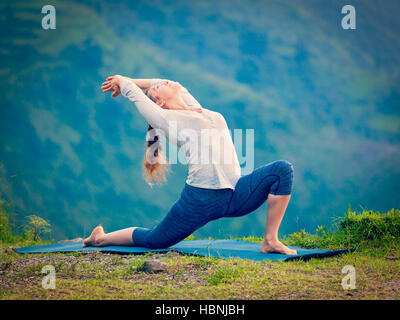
x: 154, y: 164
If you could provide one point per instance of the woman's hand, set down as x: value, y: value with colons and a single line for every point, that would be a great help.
x: 113, y: 84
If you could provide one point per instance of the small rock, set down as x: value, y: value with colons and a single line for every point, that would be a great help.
x: 392, y: 258
x: 154, y: 266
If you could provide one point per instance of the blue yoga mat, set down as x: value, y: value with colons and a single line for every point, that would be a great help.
x: 248, y: 250
x: 209, y: 248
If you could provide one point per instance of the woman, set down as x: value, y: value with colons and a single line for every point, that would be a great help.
x: 213, y: 189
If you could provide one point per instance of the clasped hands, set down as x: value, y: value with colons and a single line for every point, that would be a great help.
x: 113, y: 83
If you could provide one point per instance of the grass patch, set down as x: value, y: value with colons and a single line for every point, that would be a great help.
x: 365, y: 229
x: 96, y: 275
x: 224, y: 274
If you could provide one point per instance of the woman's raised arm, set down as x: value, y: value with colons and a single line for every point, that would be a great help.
x: 153, y: 113
x: 143, y: 84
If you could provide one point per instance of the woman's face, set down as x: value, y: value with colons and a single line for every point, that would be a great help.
x: 165, y: 91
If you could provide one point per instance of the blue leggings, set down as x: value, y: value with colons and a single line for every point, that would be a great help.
x: 198, y: 206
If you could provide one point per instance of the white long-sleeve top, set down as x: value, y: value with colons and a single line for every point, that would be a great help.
x: 203, y: 137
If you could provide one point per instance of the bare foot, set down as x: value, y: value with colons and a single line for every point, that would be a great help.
x: 276, y: 247
x: 95, y: 238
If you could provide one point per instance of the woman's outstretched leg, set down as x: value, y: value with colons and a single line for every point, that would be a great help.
x: 99, y: 238
x: 277, y: 205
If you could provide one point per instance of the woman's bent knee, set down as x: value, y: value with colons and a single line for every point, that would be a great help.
x: 284, y: 167
x: 284, y: 170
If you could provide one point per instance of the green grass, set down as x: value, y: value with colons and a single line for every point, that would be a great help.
x: 355, y: 230
x: 96, y: 275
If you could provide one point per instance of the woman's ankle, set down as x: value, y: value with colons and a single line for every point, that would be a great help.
x: 268, y: 240
x: 99, y: 240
